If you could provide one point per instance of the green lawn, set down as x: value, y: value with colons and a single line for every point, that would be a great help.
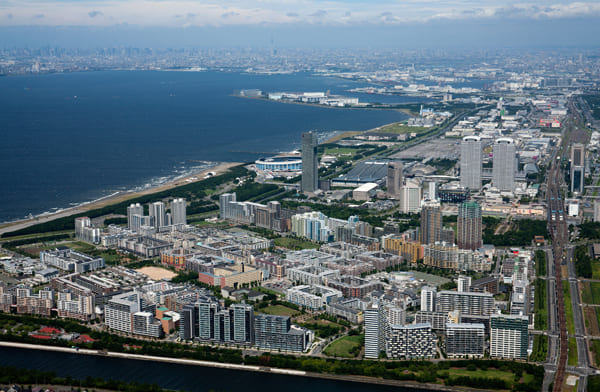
x: 596, y: 270
x: 339, y: 151
x: 490, y: 373
x: 594, y: 345
x: 295, y: 243
x: 572, y: 352
x: 280, y: 310
x: 346, y: 346
x: 568, y: 307
x: 591, y: 293
x: 401, y: 128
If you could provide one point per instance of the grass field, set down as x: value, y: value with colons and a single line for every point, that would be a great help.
x: 400, y: 128
x: 596, y: 270
x: 295, y: 243
x: 594, y: 345
x: 568, y: 307
x: 572, y: 361
x: 590, y: 316
x: 280, y: 310
x: 590, y: 293
x: 346, y: 346
x: 489, y: 373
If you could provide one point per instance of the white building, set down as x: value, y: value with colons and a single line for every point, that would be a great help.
x: 470, y: 163
x: 375, y: 331
x: 504, y: 169
x: 178, y: 211
x: 410, y: 197
x: 509, y: 337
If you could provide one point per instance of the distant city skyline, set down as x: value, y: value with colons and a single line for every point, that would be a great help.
x: 308, y: 23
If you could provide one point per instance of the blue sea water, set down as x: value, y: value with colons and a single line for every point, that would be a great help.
x: 72, y: 138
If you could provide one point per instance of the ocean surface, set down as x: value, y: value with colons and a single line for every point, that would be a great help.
x: 178, y: 377
x: 76, y: 137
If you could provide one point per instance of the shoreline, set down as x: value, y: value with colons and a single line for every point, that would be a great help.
x: 116, y: 197
x: 233, y: 366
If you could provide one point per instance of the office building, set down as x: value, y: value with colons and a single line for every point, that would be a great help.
x: 375, y: 331
x: 178, y: 211
x: 476, y: 304
x: 431, y: 222
x: 394, y: 179
x: 310, y: 167
x: 410, y: 341
x: 428, y: 295
x: 469, y: 226
x: 132, y: 210
x: 465, y: 340
x: 470, y: 163
x: 504, y: 168
x: 509, y: 337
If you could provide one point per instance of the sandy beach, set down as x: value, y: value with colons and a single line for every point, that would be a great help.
x: 219, y: 169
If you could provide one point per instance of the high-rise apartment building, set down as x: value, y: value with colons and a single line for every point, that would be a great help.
x: 503, y: 171
x: 410, y: 197
x: 428, y: 295
x: 509, y: 337
x: 469, y: 226
x: 475, y: 304
x: 310, y: 167
x: 431, y: 222
x: 134, y: 209
x: 465, y: 340
x: 375, y: 326
x: 394, y: 179
x: 464, y: 284
x: 410, y: 341
x: 470, y: 162
x: 157, y: 210
x: 178, y: 212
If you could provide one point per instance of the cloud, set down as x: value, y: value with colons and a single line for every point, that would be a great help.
x: 229, y: 14
x: 170, y: 13
x: 319, y: 14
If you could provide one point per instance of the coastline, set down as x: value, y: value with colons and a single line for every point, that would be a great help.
x: 232, y: 366
x: 116, y: 198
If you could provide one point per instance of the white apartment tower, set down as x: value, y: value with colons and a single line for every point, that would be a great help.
x: 133, y: 209
x: 503, y: 171
x: 375, y: 326
x: 178, y: 212
x: 157, y: 210
x: 470, y: 162
x: 428, y: 299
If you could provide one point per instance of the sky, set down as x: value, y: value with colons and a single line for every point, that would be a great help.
x: 431, y: 23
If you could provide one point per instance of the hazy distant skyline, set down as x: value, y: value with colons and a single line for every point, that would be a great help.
x: 335, y: 23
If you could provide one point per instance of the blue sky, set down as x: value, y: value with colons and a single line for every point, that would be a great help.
x: 569, y: 23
